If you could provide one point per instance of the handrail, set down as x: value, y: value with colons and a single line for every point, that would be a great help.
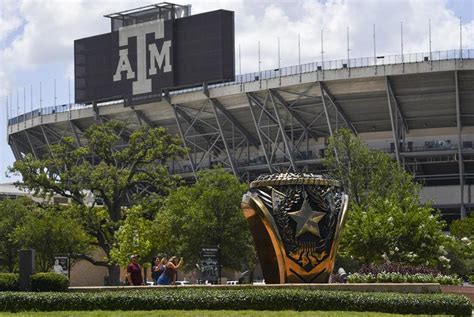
x: 277, y: 73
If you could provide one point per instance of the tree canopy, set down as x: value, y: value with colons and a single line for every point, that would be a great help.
x: 367, y: 173
x: 135, y: 236
x: 12, y: 212
x: 207, y: 213
x: 116, y: 166
x: 386, y: 220
x: 51, y: 231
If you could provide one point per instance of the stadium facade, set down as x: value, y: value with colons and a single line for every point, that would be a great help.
x: 418, y: 107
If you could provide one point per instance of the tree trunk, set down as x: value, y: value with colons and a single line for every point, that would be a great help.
x: 114, y: 275
x: 10, y: 260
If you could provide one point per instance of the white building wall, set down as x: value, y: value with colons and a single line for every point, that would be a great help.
x: 444, y: 195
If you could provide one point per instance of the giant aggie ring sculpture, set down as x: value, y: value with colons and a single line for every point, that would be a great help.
x: 296, y: 221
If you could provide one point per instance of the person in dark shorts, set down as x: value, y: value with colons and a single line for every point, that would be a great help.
x: 169, y: 274
x: 134, y: 271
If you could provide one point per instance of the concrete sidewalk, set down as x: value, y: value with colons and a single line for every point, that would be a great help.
x: 417, y: 288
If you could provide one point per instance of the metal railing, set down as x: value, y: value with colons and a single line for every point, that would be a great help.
x: 278, y: 73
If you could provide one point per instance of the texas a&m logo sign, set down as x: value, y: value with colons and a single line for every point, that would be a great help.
x: 159, y: 58
x: 137, y: 62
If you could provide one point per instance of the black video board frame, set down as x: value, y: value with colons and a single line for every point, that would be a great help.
x: 136, y: 64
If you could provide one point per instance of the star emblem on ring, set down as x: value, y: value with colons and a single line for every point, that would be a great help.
x: 307, y: 219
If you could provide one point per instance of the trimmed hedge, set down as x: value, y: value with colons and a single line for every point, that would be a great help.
x: 404, y: 278
x: 9, y: 281
x: 49, y: 282
x: 238, y: 299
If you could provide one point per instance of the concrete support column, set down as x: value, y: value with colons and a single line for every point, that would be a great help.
x: 460, y: 158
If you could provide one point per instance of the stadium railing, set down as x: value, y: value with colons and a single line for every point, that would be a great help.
x: 277, y: 73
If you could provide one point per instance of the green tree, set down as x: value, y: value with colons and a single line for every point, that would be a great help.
x: 367, y: 173
x: 461, y: 248
x: 386, y: 220
x: 12, y: 212
x: 114, y: 165
x: 135, y: 236
x: 207, y: 213
x: 463, y: 228
x: 389, y: 230
x: 50, y: 231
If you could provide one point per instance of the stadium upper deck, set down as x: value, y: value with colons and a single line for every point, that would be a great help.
x: 421, y: 109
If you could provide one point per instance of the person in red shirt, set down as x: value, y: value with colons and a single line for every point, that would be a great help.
x: 134, y: 271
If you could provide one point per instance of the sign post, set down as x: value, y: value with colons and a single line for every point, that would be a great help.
x: 61, y: 265
x: 210, y: 264
x: 27, y: 268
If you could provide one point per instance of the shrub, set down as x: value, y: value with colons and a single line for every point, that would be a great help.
x: 385, y: 277
x: 9, y: 281
x: 238, y: 299
x: 49, y: 282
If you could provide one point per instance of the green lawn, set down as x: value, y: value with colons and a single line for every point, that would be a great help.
x: 205, y: 313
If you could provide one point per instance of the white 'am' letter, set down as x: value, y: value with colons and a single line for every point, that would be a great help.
x: 124, y: 66
x: 159, y: 58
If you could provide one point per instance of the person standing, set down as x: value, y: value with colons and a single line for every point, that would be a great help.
x: 154, y: 263
x: 169, y: 274
x: 134, y: 271
x: 159, y: 268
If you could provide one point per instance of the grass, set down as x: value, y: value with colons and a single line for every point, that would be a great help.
x: 204, y: 313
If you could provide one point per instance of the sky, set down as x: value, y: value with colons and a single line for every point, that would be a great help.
x: 37, y: 36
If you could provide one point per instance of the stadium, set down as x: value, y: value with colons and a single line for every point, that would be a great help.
x: 418, y: 107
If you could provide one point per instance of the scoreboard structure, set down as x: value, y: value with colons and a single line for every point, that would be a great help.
x: 153, y: 50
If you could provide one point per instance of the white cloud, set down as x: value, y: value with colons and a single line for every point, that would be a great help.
x: 9, y: 18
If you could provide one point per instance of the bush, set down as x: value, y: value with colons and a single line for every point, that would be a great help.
x: 471, y: 279
x: 384, y: 277
x: 9, y: 281
x: 237, y: 299
x: 49, y: 282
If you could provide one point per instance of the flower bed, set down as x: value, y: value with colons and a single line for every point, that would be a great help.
x: 384, y: 277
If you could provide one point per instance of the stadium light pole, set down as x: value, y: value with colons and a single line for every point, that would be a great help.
x: 259, y: 62
x: 41, y: 103
x: 375, y: 49
x: 7, y: 108
x: 460, y: 36
x: 11, y: 105
x: 24, y: 106
x: 429, y: 35
x: 69, y: 89
x: 322, y: 52
x: 17, y: 104
x: 31, y: 103
x: 54, y: 89
x: 401, y: 39
x: 299, y: 53
x: 69, y: 95
x: 279, y: 58
x: 240, y: 64
x: 348, y: 49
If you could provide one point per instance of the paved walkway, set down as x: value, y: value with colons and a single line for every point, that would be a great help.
x: 359, y: 287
